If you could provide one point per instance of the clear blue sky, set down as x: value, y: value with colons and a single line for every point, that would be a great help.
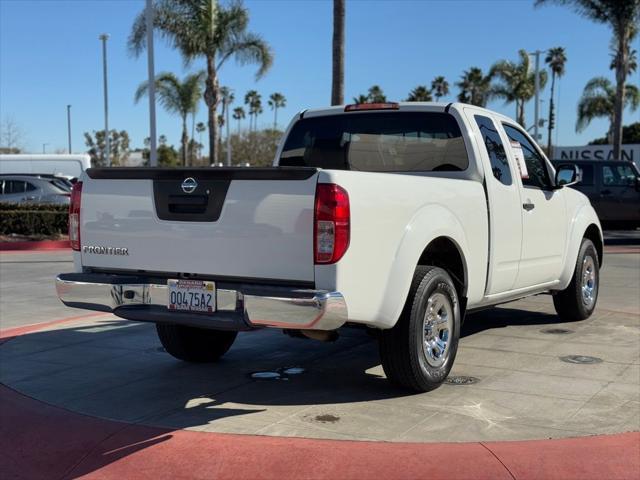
x: 50, y: 56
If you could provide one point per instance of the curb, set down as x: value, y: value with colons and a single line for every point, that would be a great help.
x: 43, y: 245
x: 38, y: 440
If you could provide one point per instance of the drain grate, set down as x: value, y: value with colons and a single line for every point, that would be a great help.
x: 461, y: 380
x: 556, y: 331
x: 277, y: 374
x: 582, y: 359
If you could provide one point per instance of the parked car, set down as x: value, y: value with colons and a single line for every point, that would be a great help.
x: 67, y: 165
x: 397, y: 217
x: 613, y: 187
x: 15, y: 188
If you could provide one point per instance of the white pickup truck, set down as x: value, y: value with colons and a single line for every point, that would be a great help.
x: 397, y: 217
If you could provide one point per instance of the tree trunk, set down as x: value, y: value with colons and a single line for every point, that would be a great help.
x: 211, y: 99
x: 337, y: 77
x: 621, y: 77
x: 185, y: 141
x: 549, y: 120
x: 521, y: 114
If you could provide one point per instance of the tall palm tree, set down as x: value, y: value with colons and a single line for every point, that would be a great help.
x: 439, y: 87
x: 623, y: 17
x: 238, y: 114
x: 276, y: 101
x: 474, y: 87
x: 337, y: 74
x: 252, y: 99
x: 200, y: 128
x: 599, y: 100
x: 419, y: 94
x: 202, y: 29
x: 516, y: 82
x: 227, y: 98
x: 361, y: 99
x: 176, y: 96
x: 556, y: 58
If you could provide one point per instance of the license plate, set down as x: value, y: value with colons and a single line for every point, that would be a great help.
x: 192, y: 296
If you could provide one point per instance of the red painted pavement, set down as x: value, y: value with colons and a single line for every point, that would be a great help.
x: 38, y: 440
x: 35, y: 246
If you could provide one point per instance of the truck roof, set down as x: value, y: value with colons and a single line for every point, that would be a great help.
x: 403, y: 106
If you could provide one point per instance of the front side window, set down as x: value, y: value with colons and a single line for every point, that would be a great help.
x: 30, y: 187
x: 618, y: 175
x: 495, y: 149
x: 377, y: 142
x: 537, y: 173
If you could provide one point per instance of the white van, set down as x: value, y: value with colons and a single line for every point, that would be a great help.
x: 70, y: 166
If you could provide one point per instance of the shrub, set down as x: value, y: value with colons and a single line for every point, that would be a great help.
x: 33, y: 219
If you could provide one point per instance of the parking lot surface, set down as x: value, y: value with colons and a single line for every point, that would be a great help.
x: 519, y: 374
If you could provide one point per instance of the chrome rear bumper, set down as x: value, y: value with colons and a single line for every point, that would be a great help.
x: 239, y: 306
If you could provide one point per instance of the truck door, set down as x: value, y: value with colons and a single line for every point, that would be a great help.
x: 544, y: 223
x: 505, y: 219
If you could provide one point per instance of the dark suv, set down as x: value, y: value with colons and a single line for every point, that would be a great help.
x: 613, y: 187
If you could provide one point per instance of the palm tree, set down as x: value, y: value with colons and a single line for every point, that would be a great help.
x: 176, y: 97
x: 337, y: 74
x: 361, y: 99
x: 253, y: 100
x: 516, y: 82
x: 202, y: 29
x: 439, y: 87
x: 227, y: 97
x: 376, y: 95
x: 556, y: 59
x: 238, y: 114
x: 623, y: 17
x: 599, y: 100
x: 200, y: 128
x: 276, y: 101
x: 474, y: 87
x: 419, y: 94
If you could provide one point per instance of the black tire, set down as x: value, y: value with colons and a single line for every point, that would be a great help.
x: 570, y: 303
x: 193, y: 344
x: 402, y: 350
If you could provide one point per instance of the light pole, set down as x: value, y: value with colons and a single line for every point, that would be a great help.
x: 228, y: 136
x: 104, y: 37
x: 69, y: 126
x: 44, y: 148
x: 537, y: 54
x: 153, y: 154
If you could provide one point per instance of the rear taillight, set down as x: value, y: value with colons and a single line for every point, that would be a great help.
x: 74, y: 216
x: 331, y: 223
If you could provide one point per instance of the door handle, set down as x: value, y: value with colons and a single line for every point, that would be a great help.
x: 528, y: 206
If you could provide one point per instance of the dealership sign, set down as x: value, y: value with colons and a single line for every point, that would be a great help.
x: 630, y: 152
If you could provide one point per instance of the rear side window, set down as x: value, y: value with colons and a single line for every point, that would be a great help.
x: 495, y: 149
x: 378, y: 142
x: 14, y: 186
x: 586, y: 174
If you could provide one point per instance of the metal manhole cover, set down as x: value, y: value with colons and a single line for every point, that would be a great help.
x: 582, y: 359
x: 461, y: 380
x: 556, y: 331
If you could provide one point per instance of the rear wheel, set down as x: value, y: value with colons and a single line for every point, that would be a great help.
x: 193, y: 344
x: 578, y: 300
x: 418, y: 352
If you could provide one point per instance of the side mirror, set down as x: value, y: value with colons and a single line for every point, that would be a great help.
x: 567, y: 175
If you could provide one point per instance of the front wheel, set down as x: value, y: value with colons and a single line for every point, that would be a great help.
x: 193, y: 344
x: 578, y: 300
x: 418, y: 352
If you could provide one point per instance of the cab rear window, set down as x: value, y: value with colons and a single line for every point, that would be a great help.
x: 378, y: 142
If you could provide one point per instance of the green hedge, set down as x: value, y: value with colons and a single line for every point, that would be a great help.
x: 33, y: 219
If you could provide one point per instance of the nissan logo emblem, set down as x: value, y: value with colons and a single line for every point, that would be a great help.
x: 189, y: 185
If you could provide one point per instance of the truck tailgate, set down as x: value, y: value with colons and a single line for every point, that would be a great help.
x: 241, y: 223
